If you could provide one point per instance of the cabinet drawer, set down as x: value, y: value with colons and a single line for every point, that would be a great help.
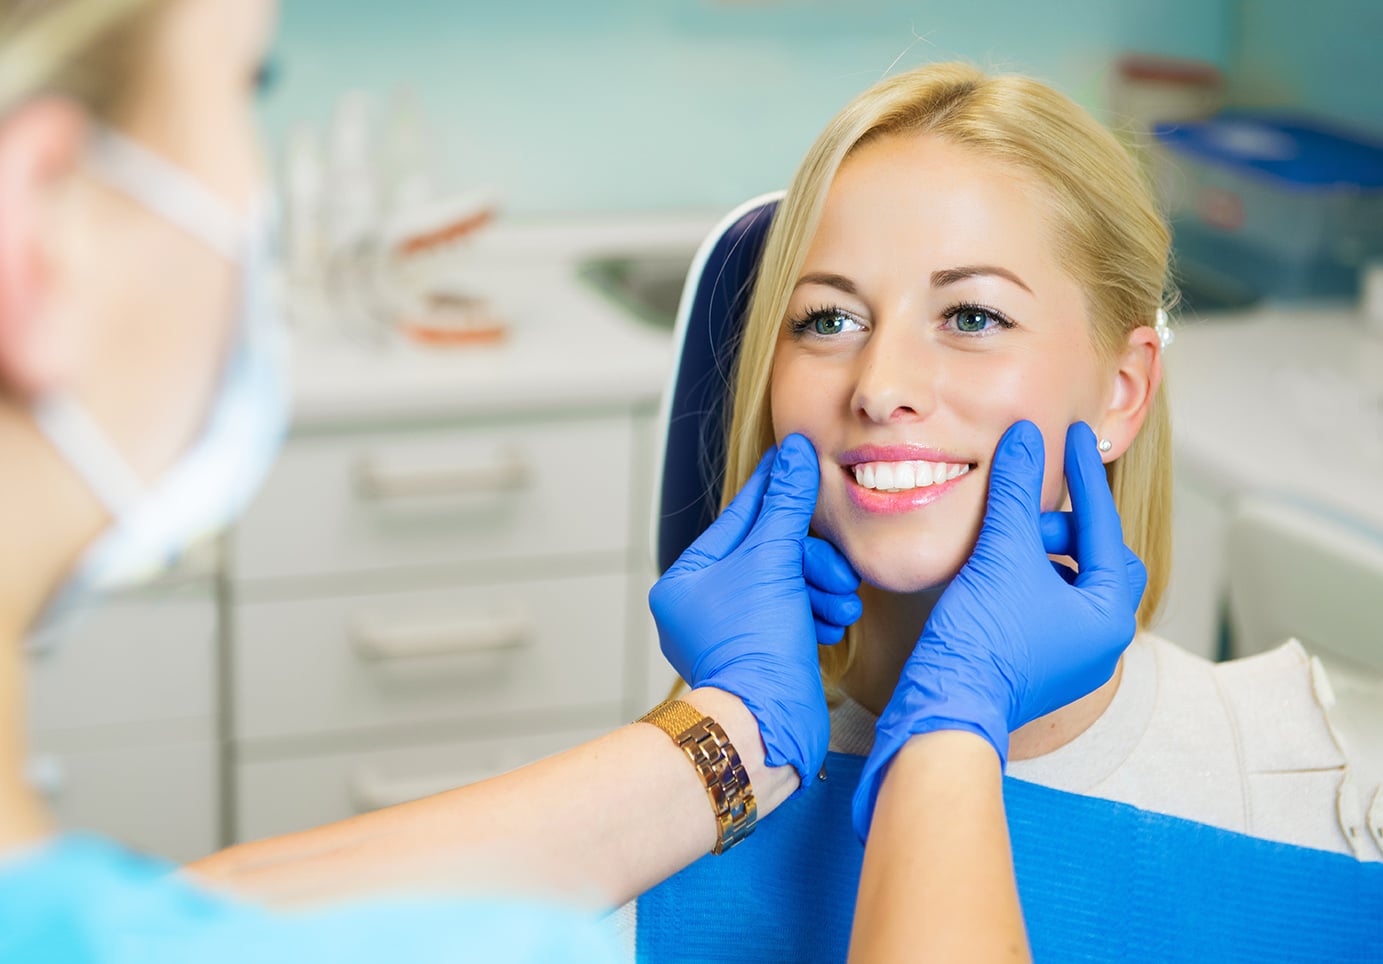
x: 132, y: 659
x: 282, y: 796
x: 351, y: 504
x: 324, y: 665
x: 161, y: 799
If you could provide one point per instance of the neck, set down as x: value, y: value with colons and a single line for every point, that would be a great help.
x: 47, y: 517
x: 890, y: 629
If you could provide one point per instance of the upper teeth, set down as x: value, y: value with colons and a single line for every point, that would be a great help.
x: 896, y: 476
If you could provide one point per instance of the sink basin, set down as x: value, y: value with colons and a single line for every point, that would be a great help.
x: 647, y: 285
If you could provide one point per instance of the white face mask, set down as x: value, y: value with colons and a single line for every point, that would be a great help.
x: 215, y: 478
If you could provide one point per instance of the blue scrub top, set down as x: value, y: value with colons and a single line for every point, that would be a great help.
x: 81, y: 900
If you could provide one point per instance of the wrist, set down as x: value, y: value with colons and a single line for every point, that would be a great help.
x: 772, y: 784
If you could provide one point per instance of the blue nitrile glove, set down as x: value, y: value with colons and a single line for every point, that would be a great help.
x: 833, y: 587
x: 1015, y: 637
x: 734, y: 611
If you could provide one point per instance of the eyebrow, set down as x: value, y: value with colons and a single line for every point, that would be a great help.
x: 837, y: 281
x: 950, y: 276
x: 939, y: 279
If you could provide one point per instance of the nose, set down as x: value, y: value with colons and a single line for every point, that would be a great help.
x: 897, y: 380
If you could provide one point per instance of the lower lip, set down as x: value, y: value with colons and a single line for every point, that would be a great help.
x: 890, y: 503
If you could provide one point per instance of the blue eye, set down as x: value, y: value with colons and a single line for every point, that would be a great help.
x: 975, y: 320
x: 825, y: 322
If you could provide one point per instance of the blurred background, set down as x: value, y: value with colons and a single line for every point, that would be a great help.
x: 630, y: 105
x: 489, y: 213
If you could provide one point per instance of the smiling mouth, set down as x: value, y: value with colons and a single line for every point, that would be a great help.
x: 906, y: 476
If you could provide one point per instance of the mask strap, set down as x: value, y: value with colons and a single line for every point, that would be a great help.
x: 89, y: 451
x: 166, y: 190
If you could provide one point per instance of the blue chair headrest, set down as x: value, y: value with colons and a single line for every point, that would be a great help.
x: 709, y: 319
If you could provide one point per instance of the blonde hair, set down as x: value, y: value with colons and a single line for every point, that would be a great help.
x: 1108, y: 226
x: 85, y: 50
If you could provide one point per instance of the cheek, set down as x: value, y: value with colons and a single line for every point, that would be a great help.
x: 1042, y: 393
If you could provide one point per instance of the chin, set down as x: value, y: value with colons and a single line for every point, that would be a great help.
x: 904, y: 575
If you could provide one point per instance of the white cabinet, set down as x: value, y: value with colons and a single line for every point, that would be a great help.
x: 416, y: 607
x: 470, y: 649
x: 122, y: 718
x: 282, y: 795
x: 478, y: 493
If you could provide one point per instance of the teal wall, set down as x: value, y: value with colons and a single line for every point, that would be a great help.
x: 1325, y: 56
x: 641, y: 104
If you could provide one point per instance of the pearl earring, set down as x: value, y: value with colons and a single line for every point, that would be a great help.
x: 1106, y: 445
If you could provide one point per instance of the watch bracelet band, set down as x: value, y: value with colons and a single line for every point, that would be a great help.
x: 717, y: 763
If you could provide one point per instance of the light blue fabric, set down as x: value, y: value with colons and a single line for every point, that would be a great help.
x: 83, y: 900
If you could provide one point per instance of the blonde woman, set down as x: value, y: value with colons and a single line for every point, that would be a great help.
x: 956, y: 252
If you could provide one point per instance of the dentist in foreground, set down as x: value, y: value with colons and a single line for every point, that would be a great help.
x: 142, y: 399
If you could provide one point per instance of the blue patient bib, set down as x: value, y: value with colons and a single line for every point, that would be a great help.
x: 1099, y: 881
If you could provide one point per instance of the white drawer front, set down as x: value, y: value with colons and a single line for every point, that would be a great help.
x: 135, y: 659
x: 365, y: 502
x: 283, y: 796
x: 161, y: 799
x: 337, y: 664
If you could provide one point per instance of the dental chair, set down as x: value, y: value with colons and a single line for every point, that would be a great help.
x: 709, y: 317
x: 1176, y: 891
x: 1300, y: 571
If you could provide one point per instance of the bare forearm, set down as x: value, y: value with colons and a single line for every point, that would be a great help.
x: 937, y: 882
x: 597, y: 824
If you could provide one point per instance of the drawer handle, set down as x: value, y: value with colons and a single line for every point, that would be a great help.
x: 45, y: 773
x: 382, y: 479
x: 420, y: 640
x: 369, y: 791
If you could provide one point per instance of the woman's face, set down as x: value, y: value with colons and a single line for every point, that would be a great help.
x: 932, y: 312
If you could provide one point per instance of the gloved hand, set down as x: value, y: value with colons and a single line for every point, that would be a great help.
x: 735, y: 611
x: 1015, y: 636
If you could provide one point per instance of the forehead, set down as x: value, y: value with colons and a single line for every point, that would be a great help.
x: 920, y: 201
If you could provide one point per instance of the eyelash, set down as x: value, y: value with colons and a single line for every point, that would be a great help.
x: 798, y: 326
x: 961, y: 308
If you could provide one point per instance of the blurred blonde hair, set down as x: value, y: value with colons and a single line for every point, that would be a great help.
x: 1110, y: 234
x: 85, y: 50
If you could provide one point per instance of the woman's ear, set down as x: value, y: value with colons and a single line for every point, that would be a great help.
x: 41, y: 148
x: 1135, y: 383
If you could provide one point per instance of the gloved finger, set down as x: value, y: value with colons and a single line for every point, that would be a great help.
x: 1058, y: 533
x: 1015, y: 485
x: 790, y: 499
x: 1099, y: 536
x: 1059, y: 537
x: 828, y: 634
x: 826, y: 568
x: 838, y: 609
x: 1067, y: 574
x: 1137, y: 576
x: 732, y: 525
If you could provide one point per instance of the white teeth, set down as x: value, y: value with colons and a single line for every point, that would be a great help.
x: 898, y: 476
x: 883, y: 476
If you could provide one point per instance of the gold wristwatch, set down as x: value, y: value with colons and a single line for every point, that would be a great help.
x: 717, y: 763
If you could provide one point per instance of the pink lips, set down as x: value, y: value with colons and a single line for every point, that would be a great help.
x: 889, y: 503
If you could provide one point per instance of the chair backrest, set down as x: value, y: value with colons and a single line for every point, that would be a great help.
x: 694, y: 416
x: 1298, y: 571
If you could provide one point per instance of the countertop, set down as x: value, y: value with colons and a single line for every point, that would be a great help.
x: 1288, y: 400
x: 567, y: 347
